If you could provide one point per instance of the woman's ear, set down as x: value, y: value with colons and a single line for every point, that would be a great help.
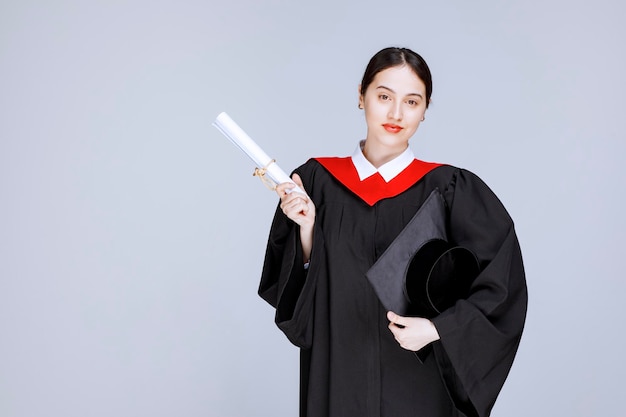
x: 360, y: 98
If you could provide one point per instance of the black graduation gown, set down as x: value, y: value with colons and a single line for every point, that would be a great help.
x: 350, y: 363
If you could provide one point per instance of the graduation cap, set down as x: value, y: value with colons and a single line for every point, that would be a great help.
x: 421, y: 273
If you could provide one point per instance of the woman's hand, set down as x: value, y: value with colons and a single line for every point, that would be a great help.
x: 299, y: 208
x: 412, y: 333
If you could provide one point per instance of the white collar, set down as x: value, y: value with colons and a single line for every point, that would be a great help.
x: 388, y: 170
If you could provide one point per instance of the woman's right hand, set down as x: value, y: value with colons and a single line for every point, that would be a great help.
x: 299, y: 208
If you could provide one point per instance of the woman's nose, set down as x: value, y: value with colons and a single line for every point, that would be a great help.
x: 395, y: 111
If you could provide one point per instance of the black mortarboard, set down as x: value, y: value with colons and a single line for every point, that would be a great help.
x: 421, y: 273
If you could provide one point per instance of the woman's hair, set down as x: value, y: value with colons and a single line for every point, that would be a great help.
x: 395, y: 57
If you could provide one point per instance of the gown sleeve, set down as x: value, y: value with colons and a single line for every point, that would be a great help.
x: 285, y: 283
x: 479, y: 336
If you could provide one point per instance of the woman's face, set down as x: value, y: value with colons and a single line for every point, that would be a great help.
x: 394, y: 104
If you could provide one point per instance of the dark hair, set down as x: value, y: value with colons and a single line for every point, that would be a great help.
x: 395, y: 57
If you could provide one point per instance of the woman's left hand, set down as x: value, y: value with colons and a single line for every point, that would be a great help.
x: 412, y: 333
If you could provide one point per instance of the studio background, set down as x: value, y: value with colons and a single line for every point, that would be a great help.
x: 132, y: 232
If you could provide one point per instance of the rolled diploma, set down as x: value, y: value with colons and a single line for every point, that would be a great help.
x: 232, y: 131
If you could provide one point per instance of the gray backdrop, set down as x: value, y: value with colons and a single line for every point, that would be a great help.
x: 132, y: 232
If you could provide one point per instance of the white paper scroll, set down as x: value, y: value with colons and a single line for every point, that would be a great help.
x: 232, y: 131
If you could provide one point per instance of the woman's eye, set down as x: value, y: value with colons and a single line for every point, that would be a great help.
x: 383, y: 97
x: 412, y: 103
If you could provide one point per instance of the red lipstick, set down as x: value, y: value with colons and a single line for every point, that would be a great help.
x: 389, y: 127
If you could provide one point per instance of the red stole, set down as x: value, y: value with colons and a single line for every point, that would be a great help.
x: 374, y: 188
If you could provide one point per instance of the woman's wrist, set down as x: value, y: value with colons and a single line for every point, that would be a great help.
x: 434, y: 332
x: 306, y: 240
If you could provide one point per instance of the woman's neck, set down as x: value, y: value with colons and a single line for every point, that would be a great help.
x: 379, y: 155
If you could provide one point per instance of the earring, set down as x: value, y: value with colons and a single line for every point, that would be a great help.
x: 360, y: 107
x: 423, y: 118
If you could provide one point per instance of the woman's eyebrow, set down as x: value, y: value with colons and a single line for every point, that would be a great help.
x: 390, y: 90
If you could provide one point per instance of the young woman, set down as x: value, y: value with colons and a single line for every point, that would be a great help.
x: 357, y: 359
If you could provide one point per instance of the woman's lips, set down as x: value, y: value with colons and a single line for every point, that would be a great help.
x: 392, y: 128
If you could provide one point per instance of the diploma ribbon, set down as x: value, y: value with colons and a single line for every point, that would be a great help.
x: 260, y: 172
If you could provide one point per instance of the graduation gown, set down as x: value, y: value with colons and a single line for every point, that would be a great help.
x: 350, y: 363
